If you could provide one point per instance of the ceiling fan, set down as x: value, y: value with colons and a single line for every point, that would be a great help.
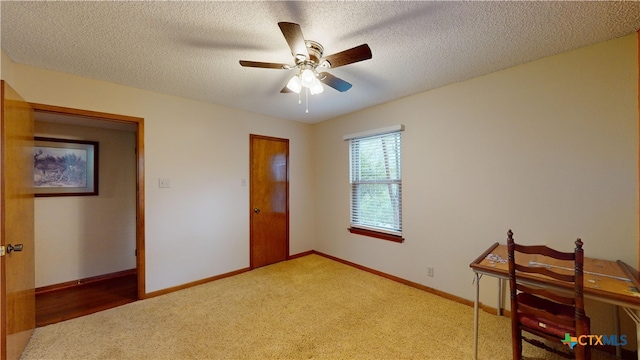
x: 309, y: 59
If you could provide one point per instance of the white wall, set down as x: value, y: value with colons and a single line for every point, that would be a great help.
x: 83, y: 236
x: 200, y: 226
x: 5, y: 67
x: 548, y: 149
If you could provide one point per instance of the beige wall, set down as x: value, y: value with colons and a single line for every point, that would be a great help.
x: 548, y: 149
x: 83, y: 236
x: 5, y: 67
x: 200, y: 226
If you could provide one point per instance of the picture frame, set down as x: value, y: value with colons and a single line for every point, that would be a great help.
x: 64, y: 167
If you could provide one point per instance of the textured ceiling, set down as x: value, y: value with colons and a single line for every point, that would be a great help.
x: 191, y: 49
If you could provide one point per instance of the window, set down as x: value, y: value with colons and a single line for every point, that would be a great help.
x: 376, y: 184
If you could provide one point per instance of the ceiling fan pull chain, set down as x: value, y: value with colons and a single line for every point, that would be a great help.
x: 306, y: 93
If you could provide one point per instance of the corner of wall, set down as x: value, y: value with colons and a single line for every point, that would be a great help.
x: 6, y: 66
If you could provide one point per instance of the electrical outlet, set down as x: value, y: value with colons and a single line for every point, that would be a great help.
x: 430, y: 272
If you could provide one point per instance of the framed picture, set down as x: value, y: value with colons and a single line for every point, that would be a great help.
x: 64, y: 167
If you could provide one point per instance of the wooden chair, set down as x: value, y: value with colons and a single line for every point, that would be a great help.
x: 543, y: 312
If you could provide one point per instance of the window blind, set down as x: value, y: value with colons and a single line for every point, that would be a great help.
x: 376, y: 182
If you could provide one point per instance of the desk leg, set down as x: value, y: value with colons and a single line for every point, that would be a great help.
x: 475, y: 317
x: 633, y: 314
x: 616, y: 322
x: 499, y: 309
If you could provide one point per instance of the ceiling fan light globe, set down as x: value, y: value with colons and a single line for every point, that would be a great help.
x: 308, y: 78
x: 316, y: 88
x: 295, y: 84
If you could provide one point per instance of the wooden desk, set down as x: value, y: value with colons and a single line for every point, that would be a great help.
x: 606, y: 281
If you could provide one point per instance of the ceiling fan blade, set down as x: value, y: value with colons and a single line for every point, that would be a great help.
x: 334, y: 82
x: 285, y: 90
x: 293, y: 34
x: 266, y: 65
x: 353, y: 55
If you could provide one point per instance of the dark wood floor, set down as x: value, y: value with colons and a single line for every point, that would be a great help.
x: 70, y: 302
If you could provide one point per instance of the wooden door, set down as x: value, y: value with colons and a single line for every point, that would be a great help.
x: 269, y: 200
x: 17, y: 266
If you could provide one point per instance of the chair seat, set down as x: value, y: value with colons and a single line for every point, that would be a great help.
x: 542, y: 324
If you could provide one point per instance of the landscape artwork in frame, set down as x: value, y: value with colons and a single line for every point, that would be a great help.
x: 64, y: 167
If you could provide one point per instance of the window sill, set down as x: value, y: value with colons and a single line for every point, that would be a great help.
x: 376, y: 234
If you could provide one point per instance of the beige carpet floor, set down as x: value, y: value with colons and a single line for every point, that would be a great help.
x: 307, y: 308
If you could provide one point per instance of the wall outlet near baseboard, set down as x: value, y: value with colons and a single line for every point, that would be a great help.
x: 430, y: 272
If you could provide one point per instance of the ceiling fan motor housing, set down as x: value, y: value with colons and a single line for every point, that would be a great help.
x: 315, y: 51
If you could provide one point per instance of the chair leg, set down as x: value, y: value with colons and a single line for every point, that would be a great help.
x: 516, y: 339
x: 583, y: 352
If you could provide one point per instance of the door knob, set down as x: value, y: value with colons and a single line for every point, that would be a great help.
x: 16, y: 247
x: 256, y: 210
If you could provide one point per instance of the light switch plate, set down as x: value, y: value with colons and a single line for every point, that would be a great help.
x: 164, y: 183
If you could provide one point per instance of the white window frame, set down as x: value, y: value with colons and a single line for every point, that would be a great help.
x: 369, y: 224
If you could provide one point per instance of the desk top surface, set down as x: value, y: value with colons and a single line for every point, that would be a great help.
x: 602, y: 278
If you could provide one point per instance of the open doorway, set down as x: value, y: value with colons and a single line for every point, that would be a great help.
x: 90, y: 249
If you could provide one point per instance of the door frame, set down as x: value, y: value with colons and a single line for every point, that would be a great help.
x: 251, y: 205
x: 139, y: 123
